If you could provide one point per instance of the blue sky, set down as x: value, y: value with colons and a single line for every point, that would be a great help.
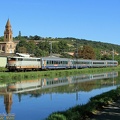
x: 97, y: 20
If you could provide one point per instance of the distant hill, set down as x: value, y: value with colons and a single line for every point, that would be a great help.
x: 73, y: 41
x: 94, y: 44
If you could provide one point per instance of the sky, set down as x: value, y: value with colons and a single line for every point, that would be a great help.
x: 96, y: 20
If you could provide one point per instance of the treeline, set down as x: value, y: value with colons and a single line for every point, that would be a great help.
x: 42, y: 48
x: 84, y: 49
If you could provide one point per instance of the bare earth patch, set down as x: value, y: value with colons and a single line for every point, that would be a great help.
x: 110, y: 112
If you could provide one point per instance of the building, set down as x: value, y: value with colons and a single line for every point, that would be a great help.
x: 8, y: 45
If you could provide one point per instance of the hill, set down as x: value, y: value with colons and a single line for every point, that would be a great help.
x: 40, y: 46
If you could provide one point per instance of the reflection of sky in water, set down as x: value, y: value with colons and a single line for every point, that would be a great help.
x: 38, y: 108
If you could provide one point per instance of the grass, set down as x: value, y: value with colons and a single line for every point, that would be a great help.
x: 51, y: 73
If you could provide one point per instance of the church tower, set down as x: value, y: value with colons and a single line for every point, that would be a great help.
x: 8, y: 32
x: 8, y: 46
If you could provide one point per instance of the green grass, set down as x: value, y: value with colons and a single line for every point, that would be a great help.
x: 52, y: 73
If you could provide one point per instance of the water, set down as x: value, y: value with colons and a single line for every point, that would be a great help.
x: 37, y: 99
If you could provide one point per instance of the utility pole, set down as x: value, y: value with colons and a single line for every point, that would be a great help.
x: 113, y: 57
x: 76, y: 53
x: 50, y: 49
x: 113, y: 54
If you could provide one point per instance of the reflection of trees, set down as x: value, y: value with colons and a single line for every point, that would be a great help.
x: 35, y: 93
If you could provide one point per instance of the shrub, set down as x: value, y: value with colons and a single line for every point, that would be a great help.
x: 56, y: 116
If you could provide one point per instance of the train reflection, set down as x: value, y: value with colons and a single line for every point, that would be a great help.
x: 30, y: 85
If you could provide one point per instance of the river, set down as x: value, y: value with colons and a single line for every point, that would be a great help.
x: 37, y: 99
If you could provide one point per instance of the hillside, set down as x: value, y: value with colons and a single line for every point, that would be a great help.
x: 65, y: 47
x: 94, y: 44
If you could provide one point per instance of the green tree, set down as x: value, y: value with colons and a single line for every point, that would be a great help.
x: 36, y: 37
x: 2, y: 38
x: 22, y: 50
x: 31, y: 47
x: 98, y: 54
x: 55, y: 48
x: 62, y: 45
x: 44, y: 46
x: 20, y: 45
x: 40, y: 53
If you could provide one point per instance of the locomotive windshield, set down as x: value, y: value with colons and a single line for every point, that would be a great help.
x: 11, y: 58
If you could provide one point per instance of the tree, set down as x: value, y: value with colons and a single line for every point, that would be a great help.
x: 31, y: 47
x: 88, y: 52
x: 62, y: 45
x: 40, y: 53
x: 22, y: 50
x: 44, y: 46
x: 2, y: 38
x: 20, y: 45
x: 36, y: 37
x: 55, y: 48
x: 19, y: 36
x: 98, y: 54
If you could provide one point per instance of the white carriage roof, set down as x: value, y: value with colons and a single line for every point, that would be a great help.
x: 23, y: 55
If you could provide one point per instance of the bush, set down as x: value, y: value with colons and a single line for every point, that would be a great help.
x: 56, y: 116
x: 2, y: 69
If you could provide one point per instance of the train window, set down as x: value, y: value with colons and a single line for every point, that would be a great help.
x: 38, y: 59
x: 56, y: 62
x: 65, y: 62
x: 47, y: 62
x: 98, y: 62
x: 20, y: 59
x: 73, y: 62
x: 110, y: 63
x: 12, y: 58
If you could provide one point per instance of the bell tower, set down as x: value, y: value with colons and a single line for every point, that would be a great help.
x: 8, y: 46
x: 8, y: 32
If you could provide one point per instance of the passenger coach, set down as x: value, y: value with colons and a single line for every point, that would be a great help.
x: 55, y: 63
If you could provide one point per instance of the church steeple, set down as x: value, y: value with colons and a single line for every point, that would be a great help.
x: 8, y: 32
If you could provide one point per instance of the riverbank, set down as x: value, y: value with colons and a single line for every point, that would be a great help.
x: 93, y: 110
x: 109, y: 112
x: 53, y: 73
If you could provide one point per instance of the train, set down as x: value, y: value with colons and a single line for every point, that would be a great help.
x: 18, y: 63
